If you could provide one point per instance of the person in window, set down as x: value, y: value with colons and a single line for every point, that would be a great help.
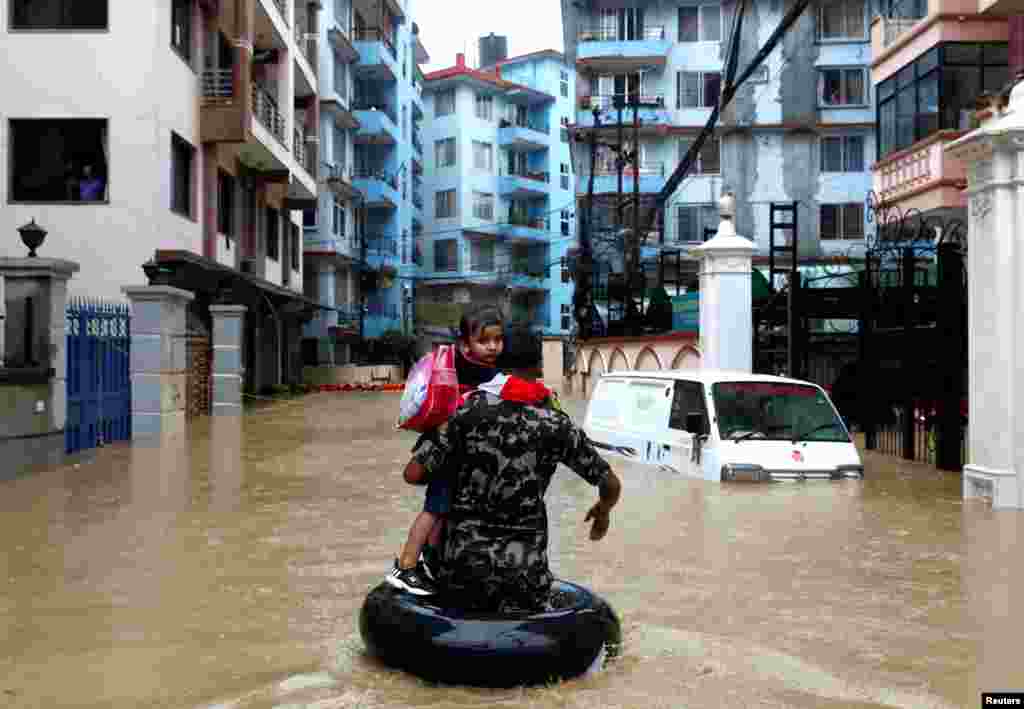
x: 500, y: 451
x: 91, y: 187
x: 71, y: 192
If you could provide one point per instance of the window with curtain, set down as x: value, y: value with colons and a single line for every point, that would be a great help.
x: 446, y: 255
x: 483, y: 206
x: 709, y: 160
x: 58, y: 160
x: 700, y: 23
x: 698, y: 89
x: 841, y: 87
x: 444, y: 204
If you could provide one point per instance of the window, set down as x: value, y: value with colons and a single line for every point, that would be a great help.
x: 58, y: 160
x: 273, y: 235
x: 564, y: 83
x: 483, y: 156
x: 296, y: 246
x: 444, y: 204
x: 444, y: 152
x: 482, y: 254
x: 841, y: 87
x: 59, y: 15
x: 341, y: 80
x: 483, y: 206
x: 693, y: 221
x: 340, y: 147
x: 697, y: 89
x: 484, y: 107
x: 339, y: 220
x: 182, y: 156
x: 937, y: 92
x: 700, y: 23
x: 565, y: 132
x: 842, y: 154
x: 565, y: 176
x: 565, y: 222
x: 181, y: 28
x: 841, y: 20
x: 309, y: 217
x: 841, y: 221
x: 446, y: 255
x: 688, y: 398
x: 444, y: 103
x: 225, y: 204
x: 709, y: 160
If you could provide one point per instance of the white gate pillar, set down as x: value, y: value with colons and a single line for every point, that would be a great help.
x: 726, y: 306
x: 994, y: 157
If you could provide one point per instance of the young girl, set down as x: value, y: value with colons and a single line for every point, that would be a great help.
x: 480, y: 342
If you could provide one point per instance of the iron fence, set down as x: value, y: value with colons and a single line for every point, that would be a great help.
x: 264, y: 107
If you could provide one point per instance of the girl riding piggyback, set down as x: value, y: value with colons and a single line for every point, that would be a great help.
x: 479, y: 344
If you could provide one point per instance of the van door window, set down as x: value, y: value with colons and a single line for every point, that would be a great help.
x: 688, y: 398
x: 647, y: 412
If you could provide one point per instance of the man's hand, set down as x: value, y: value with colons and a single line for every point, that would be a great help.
x: 602, y: 519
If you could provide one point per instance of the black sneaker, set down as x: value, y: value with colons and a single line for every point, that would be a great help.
x: 429, y: 563
x: 411, y: 580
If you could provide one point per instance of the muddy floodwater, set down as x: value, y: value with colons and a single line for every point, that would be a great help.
x: 226, y: 569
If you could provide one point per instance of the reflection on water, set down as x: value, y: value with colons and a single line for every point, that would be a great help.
x: 226, y: 568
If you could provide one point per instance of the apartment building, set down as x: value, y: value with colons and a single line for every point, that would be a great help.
x: 501, y: 212
x: 359, y: 238
x: 185, y: 146
x: 931, y: 59
x: 801, y: 128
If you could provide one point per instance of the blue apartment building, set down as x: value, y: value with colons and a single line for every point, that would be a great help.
x: 500, y: 194
x: 801, y: 129
x: 359, y: 241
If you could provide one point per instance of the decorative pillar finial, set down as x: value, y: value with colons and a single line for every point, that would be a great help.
x: 727, y: 212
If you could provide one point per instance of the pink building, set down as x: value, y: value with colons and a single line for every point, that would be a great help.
x: 931, y: 59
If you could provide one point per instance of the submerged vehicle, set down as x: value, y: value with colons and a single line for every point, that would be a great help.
x: 722, y: 425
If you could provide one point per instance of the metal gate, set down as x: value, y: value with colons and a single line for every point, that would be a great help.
x: 99, y: 394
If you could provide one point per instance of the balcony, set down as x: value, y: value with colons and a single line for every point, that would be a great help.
x: 380, y: 190
x: 345, y: 247
x: 606, y: 179
x: 337, y: 105
x: 602, y: 50
x: 377, y: 124
x: 653, y: 111
x: 378, y: 60
x: 305, y: 153
x: 217, y: 86
x: 923, y: 176
x: 307, y: 46
x: 525, y: 185
x: 382, y: 253
x: 265, y: 110
x: 526, y: 276
x: 338, y: 179
x: 526, y: 229
x: 341, y: 42
x: 524, y: 136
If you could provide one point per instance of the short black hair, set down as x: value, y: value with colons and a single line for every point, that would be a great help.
x: 477, y: 317
x: 523, y: 349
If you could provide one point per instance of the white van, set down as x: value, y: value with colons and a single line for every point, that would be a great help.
x: 720, y: 425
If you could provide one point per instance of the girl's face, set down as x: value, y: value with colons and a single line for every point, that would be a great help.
x: 485, y: 344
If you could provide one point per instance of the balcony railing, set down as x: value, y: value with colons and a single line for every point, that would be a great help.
x: 530, y: 123
x: 611, y: 34
x: 609, y: 101
x: 364, y: 105
x: 218, y: 85
x: 527, y: 221
x: 527, y: 175
x: 307, y: 44
x: 337, y: 173
x: 894, y: 27
x: 646, y: 169
x: 372, y: 34
x: 365, y: 174
x: 304, y: 155
x: 264, y: 107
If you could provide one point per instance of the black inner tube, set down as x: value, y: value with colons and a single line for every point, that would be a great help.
x: 426, y: 637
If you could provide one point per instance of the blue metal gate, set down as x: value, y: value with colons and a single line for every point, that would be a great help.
x: 99, y: 392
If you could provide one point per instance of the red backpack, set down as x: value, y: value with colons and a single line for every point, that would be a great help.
x: 431, y: 392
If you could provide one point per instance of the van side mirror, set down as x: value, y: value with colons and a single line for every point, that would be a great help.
x: 696, y: 423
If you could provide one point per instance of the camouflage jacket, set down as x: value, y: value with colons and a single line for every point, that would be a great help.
x: 500, y: 457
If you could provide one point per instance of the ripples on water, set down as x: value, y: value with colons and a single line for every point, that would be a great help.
x: 227, y: 570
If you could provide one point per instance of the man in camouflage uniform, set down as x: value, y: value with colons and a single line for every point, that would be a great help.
x: 502, y: 455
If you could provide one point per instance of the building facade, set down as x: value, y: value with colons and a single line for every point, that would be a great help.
x: 500, y: 193
x: 801, y: 129
x: 360, y: 237
x: 188, y: 146
x: 931, y: 59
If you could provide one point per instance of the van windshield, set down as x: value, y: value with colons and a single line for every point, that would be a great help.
x: 775, y: 412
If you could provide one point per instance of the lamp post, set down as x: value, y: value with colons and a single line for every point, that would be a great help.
x: 32, y: 235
